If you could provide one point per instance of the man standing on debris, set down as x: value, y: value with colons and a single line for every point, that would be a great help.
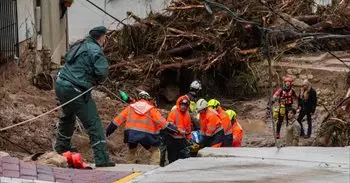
x: 307, y: 105
x: 284, y: 96
x: 176, y: 144
x: 85, y: 67
x: 225, y: 119
x: 210, y: 124
x: 142, y: 122
x: 293, y: 130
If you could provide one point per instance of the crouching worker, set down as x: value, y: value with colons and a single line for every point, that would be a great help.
x: 142, y: 122
x: 210, y: 124
x: 237, y: 131
x: 177, y: 144
x: 293, y: 130
x: 226, y: 122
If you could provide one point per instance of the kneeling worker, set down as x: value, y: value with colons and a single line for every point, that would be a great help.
x: 142, y: 122
x: 210, y: 124
x: 237, y: 131
x: 226, y: 122
x: 177, y: 143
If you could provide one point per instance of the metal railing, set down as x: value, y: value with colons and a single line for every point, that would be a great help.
x: 9, y: 48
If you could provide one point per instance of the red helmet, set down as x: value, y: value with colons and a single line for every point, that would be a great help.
x: 288, y: 79
x: 75, y: 160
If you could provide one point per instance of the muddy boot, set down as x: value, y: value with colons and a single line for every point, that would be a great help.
x: 131, y: 156
x: 155, y: 156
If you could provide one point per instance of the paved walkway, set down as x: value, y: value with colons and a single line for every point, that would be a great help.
x: 14, y: 170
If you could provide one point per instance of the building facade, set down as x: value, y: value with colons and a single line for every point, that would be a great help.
x: 37, y: 20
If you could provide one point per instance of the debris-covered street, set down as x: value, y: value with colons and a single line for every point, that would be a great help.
x: 281, y: 67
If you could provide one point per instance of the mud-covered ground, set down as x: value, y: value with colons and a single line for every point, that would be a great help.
x: 19, y: 101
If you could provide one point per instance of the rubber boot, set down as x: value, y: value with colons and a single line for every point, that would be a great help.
x: 155, y: 155
x: 131, y: 156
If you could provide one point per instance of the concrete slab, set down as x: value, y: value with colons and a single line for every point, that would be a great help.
x: 130, y: 168
x: 337, y: 155
x: 211, y: 169
x: 289, y: 164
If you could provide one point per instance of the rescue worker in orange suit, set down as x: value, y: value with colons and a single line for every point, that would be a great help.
x: 142, y: 122
x: 210, y: 125
x: 177, y: 144
x: 284, y: 96
x: 226, y: 122
x: 237, y: 131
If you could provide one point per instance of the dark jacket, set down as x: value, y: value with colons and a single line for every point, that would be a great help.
x: 86, y: 65
x: 308, y: 105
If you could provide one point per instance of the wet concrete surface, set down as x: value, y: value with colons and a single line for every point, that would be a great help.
x: 292, y: 164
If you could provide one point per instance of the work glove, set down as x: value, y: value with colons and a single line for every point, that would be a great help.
x: 111, y: 128
x: 194, y: 147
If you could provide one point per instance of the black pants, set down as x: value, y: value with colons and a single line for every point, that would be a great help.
x: 163, y: 151
x: 177, y: 153
x: 302, y: 114
x: 281, y: 118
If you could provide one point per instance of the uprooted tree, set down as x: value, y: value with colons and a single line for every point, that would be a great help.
x: 191, y: 41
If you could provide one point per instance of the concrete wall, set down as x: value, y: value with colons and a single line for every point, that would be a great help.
x: 26, y: 20
x: 82, y: 16
x: 53, y: 29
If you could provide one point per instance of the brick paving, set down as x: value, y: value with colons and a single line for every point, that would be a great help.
x: 14, y: 170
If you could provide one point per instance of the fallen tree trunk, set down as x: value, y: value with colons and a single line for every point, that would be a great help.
x: 184, y: 7
x: 177, y: 65
x: 319, y: 27
x: 180, y: 50
x: 309, y: 19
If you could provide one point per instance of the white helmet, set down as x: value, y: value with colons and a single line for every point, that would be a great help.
x: 196, y: 85
x: 144, y: 95
x: 201, y: 104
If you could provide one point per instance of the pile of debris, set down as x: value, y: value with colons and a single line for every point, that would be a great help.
x: 335, y: 128
x: 207, y: 40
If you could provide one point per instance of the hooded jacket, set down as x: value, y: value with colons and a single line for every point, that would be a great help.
x: 142, y: 123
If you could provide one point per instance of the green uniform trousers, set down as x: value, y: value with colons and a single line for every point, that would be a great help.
x: 85, y: 108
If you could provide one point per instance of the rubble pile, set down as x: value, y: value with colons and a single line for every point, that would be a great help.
x: 214, y: 43
x: 335, y: 128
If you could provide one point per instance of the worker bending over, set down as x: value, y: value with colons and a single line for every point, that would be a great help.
x: 226, y: 122
x: 237, y: 131
x: 210, y: 125
x: 176, y: 144
x: 142, y: 122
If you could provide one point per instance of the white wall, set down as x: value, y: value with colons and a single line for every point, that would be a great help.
x: 82, y: 16
x: 26, y: 20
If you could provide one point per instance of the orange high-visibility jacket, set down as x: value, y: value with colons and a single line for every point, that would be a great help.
x: 237, y: 134
x: 141, y: 116
x: 181, y: 120
x: 210, y: 122
x: 226, y: 122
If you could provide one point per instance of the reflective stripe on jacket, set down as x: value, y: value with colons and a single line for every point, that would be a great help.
x: 226, y: 122
x: 210, y: 123
x: 141, y: 116
x: 237, y: 134
x: 181, y: 120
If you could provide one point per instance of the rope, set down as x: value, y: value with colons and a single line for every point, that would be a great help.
x: 105, y: 12
x: 46, y: 113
